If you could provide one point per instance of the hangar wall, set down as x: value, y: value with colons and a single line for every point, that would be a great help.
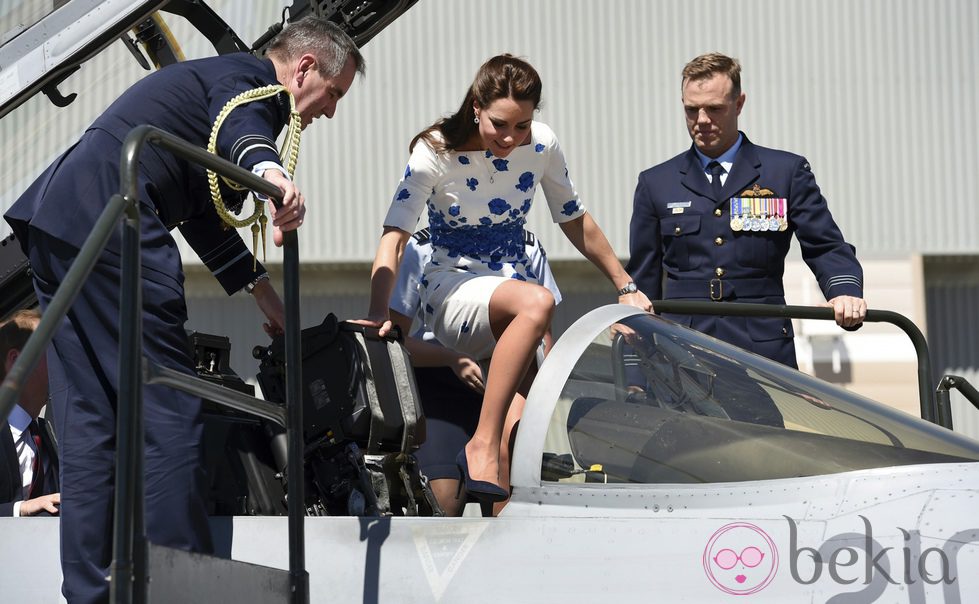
x: 878, y: 94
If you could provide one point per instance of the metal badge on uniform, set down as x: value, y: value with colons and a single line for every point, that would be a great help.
x: 760, y: 210
x: 677, y: 207
x: 756, y: 219
x: 757, y: 190
x: 737, y: 218
x: 783, y: 213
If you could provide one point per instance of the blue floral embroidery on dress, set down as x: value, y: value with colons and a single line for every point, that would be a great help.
x: 495, y: 266
x: 436, y: 219
x: 526, y: 182
x: 403, y: 194
x: 489, y: 154
x: 491, y: 242
x: 485, y: 221
x: 515, y: 213
x: 454, y: 209
x: 453, y: 223
x: 526, y: 206
x: 570, y: 208
x: 464, y: 160
x: 465, y: 327
x: 472, y: 183
x: 407, y: 170
x: 539, y: 148
x: 498, y: 206
x: 500, y: 164
x: 463, y: 219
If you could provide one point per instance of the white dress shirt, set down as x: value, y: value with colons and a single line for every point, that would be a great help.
x: 19, y: 421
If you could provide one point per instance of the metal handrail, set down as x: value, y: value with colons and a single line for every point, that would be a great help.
x: 154, y: 373
x: 128, y: 579
x: 962, y: 385
x: 930, y: 409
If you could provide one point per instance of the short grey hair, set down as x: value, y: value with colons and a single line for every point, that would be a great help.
x: 323, y: 39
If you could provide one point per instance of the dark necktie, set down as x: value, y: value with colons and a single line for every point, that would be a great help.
x: 37, y: 468
x: 715, y: 170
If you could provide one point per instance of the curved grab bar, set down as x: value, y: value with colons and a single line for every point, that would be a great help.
x: 930, y: 409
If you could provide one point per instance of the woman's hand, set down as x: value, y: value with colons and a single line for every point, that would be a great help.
x: 469, y: 372
x: 638, y: 299
x: 384, y: 325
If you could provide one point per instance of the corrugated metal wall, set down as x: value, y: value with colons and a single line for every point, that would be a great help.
x: 952, y: 298
x: 880, y: 95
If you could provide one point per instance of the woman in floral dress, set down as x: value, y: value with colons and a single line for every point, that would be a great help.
x: 476, y: 173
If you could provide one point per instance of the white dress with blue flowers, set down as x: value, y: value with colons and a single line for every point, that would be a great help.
x: 477, y: 207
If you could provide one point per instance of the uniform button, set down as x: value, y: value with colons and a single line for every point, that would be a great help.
x: 785, y: 331
x: 718, y: 241
x: 719, y: 271
x: 717, y: 212
x: 676, y: 229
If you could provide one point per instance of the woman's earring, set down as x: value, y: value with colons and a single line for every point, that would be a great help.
x: 476, y: 119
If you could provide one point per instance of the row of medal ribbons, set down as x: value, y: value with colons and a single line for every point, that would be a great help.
x: 758, y: 214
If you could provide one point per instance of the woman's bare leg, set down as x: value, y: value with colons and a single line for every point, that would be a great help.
x: 446, y: 491
x: 520, y: 314
x: 510, y: 433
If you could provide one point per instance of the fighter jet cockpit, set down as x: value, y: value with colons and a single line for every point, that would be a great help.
x: 647, y: 401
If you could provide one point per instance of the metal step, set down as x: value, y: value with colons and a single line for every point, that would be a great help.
x: 179, y: 576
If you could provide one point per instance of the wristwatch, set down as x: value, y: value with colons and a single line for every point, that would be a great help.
x: 251, y: 286
x: 630, y: 288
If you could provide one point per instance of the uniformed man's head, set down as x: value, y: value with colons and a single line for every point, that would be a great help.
x: 712, y: 101
x: 317, y: 61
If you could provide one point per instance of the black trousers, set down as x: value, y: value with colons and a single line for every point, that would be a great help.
x: 83, y: 366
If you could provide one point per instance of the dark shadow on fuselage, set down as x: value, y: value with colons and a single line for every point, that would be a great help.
x: 375, y: 531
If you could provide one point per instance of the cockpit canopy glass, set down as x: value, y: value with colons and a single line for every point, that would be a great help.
x: 653, y: 402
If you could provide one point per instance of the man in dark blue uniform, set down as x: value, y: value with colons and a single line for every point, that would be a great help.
x: 720, y: 217
x: 316, y: 62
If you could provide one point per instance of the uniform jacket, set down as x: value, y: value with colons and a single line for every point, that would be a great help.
x: 183, y: 99
x: 10, y: 481
x: 682, y: 244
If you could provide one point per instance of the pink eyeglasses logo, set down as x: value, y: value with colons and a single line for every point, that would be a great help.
x: 740, y: 559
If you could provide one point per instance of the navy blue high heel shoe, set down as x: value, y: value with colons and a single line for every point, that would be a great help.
x: 480, y: 490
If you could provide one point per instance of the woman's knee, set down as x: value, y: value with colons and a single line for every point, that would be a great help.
x: 537, y: 303
x: 527, y: 301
